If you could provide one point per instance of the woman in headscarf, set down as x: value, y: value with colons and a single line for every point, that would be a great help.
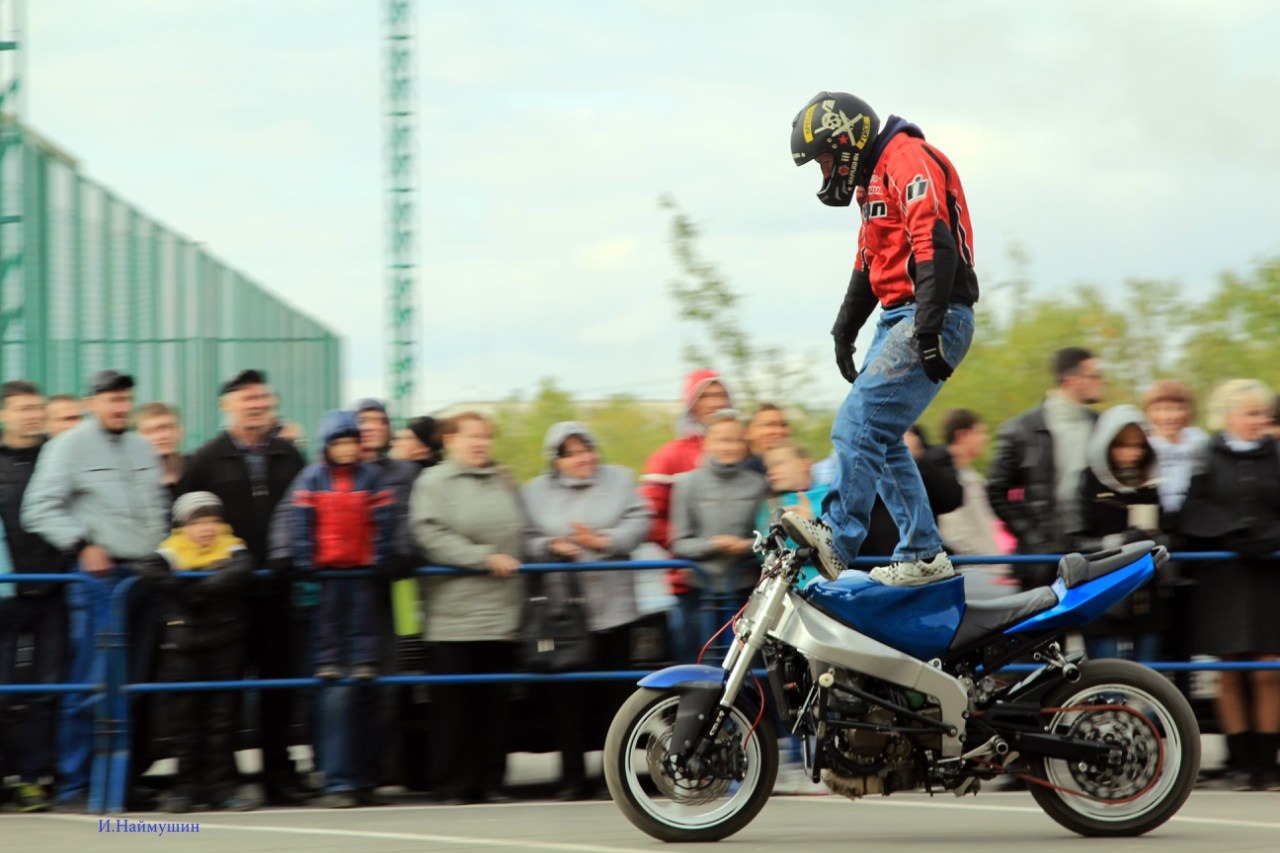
x: 583, y: 511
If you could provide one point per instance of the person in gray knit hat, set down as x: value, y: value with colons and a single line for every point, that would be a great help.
x: 202, y: 639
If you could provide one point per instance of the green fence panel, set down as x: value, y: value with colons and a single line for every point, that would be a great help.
x: 89, y: 281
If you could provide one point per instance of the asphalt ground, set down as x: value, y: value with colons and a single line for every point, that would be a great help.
x: 992, y: 822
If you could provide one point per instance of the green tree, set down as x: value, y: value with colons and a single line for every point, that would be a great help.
x: 521, y: 426
x: 1235, y: 333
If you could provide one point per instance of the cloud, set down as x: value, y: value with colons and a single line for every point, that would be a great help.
x: 1109, y: 140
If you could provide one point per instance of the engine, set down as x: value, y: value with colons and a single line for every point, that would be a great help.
x: 864, y: 750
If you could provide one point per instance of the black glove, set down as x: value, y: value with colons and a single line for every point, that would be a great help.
x: 931, y: 358
x: 844, y: 361
x: 858, y: 304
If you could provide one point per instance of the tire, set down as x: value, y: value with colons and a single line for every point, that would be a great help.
x: 636, y: 733
x: 1161, y: 790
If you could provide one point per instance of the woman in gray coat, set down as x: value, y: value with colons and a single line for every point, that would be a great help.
x: 465, y: 512
x: 582, y: 511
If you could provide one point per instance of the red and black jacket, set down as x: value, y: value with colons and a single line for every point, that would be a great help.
x: 342, y: 517
x: 916, y: 240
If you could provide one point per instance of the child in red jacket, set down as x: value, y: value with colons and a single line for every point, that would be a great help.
x: 342, y: 520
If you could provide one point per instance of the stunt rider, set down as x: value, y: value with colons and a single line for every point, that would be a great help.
x: 915, y: 258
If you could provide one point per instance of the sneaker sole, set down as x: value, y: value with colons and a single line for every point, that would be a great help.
x: 798, y: 535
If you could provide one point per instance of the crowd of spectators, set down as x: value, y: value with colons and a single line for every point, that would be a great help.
x: 99, y: 486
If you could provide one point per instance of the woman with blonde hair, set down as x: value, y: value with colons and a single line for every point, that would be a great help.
x: 465, y: 512
x: 1233, y: 504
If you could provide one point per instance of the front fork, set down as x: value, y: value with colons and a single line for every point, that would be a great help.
x: 758, y: 618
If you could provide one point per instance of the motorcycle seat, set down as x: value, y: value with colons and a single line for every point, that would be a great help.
x: 986, y: 617
x: 1075, y: 569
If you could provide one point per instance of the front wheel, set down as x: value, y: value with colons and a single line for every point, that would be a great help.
x: 673, y: 806
x: 1126, y: 704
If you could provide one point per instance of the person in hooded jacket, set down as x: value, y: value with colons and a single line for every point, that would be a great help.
x: 1119, y: 503
x: 915, y: 260
x: 704, y: 394
x: 583, y: 511
x: 1233, y: 504
x: 342, y: 518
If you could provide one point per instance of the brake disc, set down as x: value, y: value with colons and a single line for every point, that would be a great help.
x: 1124, y: 729
x: 674, y: 783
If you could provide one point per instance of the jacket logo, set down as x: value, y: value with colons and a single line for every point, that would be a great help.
x: 917, y: 188
x: 874, y: 210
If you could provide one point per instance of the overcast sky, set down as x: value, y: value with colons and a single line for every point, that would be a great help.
x: 1109, y: 139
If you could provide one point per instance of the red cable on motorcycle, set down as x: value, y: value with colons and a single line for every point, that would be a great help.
x: 732, y: 619
x: 759, y: 686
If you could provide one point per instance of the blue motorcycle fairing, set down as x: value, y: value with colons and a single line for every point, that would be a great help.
x: 683, y: 674
x: 918, y: 620
x: 1086, y: 602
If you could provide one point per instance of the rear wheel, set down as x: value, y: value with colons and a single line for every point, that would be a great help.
x: 1128, y: 705
x: 670, y: 805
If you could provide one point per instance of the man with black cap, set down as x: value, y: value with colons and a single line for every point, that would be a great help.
x: 250, y: 471
x: 96, y: 496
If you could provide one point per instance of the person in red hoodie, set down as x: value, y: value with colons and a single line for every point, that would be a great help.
x: 704, y: 395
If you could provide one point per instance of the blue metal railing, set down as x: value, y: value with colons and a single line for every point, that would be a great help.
x: 108, y: 626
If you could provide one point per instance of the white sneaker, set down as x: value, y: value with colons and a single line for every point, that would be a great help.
x: 816, y: 536
x: 915, y: 572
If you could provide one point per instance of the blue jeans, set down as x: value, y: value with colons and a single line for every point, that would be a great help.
x: 696, y: 625
x: 88, y: 663
x: 347, y: 737
x: 871, y: 458
x: 346, y: 622
x: 349, y: 729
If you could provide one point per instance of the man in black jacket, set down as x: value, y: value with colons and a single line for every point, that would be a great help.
x: 250, y: 472
x: 1034, y: 478
x: 36, y: 610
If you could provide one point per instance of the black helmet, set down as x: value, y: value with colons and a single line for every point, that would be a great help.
x: 835, y: 123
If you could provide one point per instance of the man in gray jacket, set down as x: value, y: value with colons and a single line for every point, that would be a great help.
x: 96, y: 496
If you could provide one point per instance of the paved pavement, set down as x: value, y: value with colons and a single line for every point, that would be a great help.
x: 991, y: 823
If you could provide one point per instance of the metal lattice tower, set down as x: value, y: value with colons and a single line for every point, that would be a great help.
x: 402, y: 231
x: 12, y: 166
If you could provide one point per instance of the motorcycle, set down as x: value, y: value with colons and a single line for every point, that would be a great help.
x: 895, y: 689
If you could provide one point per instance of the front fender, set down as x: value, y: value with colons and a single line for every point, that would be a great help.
x: 685, y: 675
x: 700, y: 689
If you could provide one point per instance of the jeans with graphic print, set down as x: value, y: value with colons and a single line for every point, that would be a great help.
x: 871, y: 458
